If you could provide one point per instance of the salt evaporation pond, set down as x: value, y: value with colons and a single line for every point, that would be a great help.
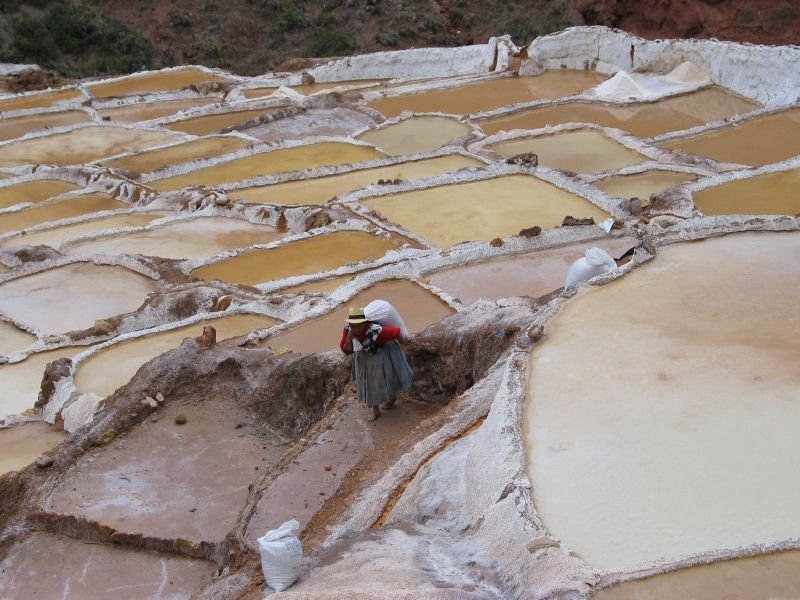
x: 643, y: 119
x: 15, y: 127
x: 482, y: 210
x: 581, y: 151
x: 268, y: 163
x: 33, y: 191
x: 303, y: 257
x: 768, y: 194
x: 55, y: 236
x: 662, y: 407
x: 109, y: 369
x: 418, y: 134
x: 144, y: 111
x: 311, y: 88
x: 152, y: 82
x: 642, y: 185
x: 20, y: 382
x: 321, y: 189
x: 490, y: 94
x: 151, y: 160
x: 217, y: 122
x: 421, y: 308
x: 200, y: 237
x: 73, y: 206
x: 41, y: 100
x: 756, y: 142
x: 73, y: 296
x: 20, y: 445
x: 13, y: 339
x: 82, y: 145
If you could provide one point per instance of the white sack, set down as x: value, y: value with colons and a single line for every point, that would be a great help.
x: 595, y: 261
x: 380, y: 311
x: 281, y: 555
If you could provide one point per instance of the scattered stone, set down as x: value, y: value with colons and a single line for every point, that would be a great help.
x: 275, y: 300
x: 154, y: 419
x: 159, y: 397
x: 318, y: 219
x: 193, y: 510
x: 53, y: 339
x: 238, y: 426
x: 644, y: 219
x: 103, y: 327
x: 535, y: 333
x: 618, y: 224
x: 150, y: 401
x: 222, y: 303
x: 209, y: 337
x: 632, y: 206
x: 328, y: 468
x: 530, y: 232
x: 222, y: 200
x: 570, y: 221
x: 44, y: 461
x: 496, y: 242
x: 180, y: 420
x: 526, y: 159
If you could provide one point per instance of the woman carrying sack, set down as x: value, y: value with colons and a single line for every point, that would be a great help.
x: 380, y: 369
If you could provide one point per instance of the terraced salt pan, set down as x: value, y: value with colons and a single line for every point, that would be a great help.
x: 15, y: 127
x: 321, y: 189
x: 217, y: 122
x: 152, y: 82
x: 482, y: 210
x: 640, y: 119
x: 20, y: 382
x: 580, y: 151
x: 531, y: 274
x: 490, y: 94
x: 98, y: 571
x: 110, y: 368
x: 56, y: 236
x: 33, y: 191
x: 189, y: 239
x: 754, y: 578
x: 21, y: 445
x: 418, y: 307
x: 693, y: 448
x: 418, y: 134
x: 41, y: 100
x: 755, y: 142
x: 339, y: 121
x: 65, y: 208
x: 768, y: 194
x: 13, y: 339
x: 303, y: 257
x: 144, y: 111
x: 151, y: 160
x: 39, y: 302
x: 312, y: 88
x: 267, y: 163
x: 642, y: 185
x: 82, y: 145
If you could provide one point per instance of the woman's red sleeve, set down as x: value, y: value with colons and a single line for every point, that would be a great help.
x: 388, y: 334
x: 342, y: 341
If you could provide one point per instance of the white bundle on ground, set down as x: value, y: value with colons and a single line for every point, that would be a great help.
x: 595, y: 261
x: 281, y: 555
x: 380, y: 311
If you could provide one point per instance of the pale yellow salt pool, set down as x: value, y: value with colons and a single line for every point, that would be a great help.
x: 211, y: 123
x: 58, y: 209
x: 144, y: 111
x: 580, y: 151
x: 21, y: 445
x: 40, y: 100
x: 82, y: 145
x: 106, y: 371
x: 269, y: 163
x: 769, y: 194
x: 179, y: 153
x: 12, y: 339
x: 482, y: 210
x: 73, y: 296
x: 33, y: 191
x: 644, y: 119
x: 321, y: 189
x: 418, y: 134
x: 756, y: 142
x: 662, y: 409
x: 18, y: 126
x: 149, y: 83
x: 642, y: 185
x: 194, y: 238
x: 488, y: 95
x: 304, y: 257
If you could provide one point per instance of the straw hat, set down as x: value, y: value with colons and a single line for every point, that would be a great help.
x: 356, y: 315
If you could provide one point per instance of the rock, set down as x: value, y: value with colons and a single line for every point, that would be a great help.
x: 276, y: 301
x: 53, y: 339
x: 154, y: 419
x: 58, y: 369
x: 632, y: 206
x: 526, y: 159
x: 209, y: 337
x: 530, y: 231
x: 150, y: 401
x: 535, y: 333
x: 328, y: 468
x: 570, y: 221
x: 222, y: 303
x: 44, y: 461
x: 181, y: 419
x: 496, y: 242
x: 103, y: 327
x: 307, y: 78
x: 618, y: 224
x: 318, y: 219
x: 159, y: 397
x: 222, y: 200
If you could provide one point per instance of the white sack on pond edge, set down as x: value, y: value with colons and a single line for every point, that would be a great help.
x: 595, y: 262
x: 281, y: 555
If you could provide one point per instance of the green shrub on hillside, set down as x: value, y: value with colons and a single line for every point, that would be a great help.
x: 332, y: 42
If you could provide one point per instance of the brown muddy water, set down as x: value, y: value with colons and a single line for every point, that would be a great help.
x: 144, y: 111
x: 65, y: 208
x: 769, y: 194
x: 418, y: 134
x: 149, y: 83
x: 151, y: 160
x: 213, y: 123
x: 34, y: 191
x: 20, y: 445
x: 18, y: 126
x: 642, y: 185
x: 41, y: 100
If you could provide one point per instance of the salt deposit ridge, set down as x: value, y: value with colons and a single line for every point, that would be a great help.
x: 628, y: 438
